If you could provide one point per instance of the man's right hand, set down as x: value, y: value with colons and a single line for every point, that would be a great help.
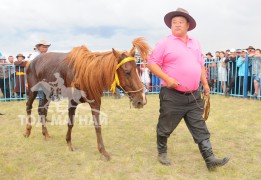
x: 172, y: 83
x: 156, y: 70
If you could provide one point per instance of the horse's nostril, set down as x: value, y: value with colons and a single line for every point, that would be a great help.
x: 140, y: 103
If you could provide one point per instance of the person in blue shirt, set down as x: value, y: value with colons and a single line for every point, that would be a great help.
x: 241, y: 64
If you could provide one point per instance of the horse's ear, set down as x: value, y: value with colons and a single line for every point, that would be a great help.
x: 132, y: 51
x: 115, y: 53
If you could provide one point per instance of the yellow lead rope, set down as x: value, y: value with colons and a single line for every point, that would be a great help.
x: 116, y: 81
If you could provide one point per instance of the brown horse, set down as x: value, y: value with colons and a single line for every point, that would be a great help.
x: 90, y: 72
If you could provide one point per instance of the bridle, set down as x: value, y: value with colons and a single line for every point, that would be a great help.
x: 116, y: 81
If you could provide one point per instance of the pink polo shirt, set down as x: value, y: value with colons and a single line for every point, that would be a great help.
x: 179, y: 61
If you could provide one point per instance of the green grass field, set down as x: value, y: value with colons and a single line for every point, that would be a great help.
x: 130, y: 138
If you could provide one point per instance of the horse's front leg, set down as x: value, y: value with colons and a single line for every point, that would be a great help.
x: 71, y: 109
x: 96, y: 119
x: 42, y: 114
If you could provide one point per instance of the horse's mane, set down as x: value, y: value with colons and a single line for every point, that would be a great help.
x: 93, y: 71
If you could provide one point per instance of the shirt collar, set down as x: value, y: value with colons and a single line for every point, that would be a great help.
x: 175, y: 37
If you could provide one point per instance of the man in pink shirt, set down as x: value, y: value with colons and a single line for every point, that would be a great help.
x: 178, y: 61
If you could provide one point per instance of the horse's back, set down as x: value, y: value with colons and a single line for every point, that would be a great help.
x: 48, y: 60
x: 44, y: 66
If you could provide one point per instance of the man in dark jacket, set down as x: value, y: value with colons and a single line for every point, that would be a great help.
x: 232, y: 71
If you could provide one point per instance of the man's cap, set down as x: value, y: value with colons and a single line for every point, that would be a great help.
x: 180, y: 12
x: 238, y: 50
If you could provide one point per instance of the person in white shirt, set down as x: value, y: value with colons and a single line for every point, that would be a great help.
x: 34, y: 54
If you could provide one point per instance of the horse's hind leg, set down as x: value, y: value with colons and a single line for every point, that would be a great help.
x: 29, y: 103
x: 42, y: 114
x: 96, y: 119
x: 71, y: 113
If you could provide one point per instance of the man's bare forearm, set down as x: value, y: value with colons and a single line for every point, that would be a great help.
x: 155, y: 69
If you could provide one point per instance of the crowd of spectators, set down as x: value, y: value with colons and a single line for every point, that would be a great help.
x: 226, y: 71
x: 12, y: 76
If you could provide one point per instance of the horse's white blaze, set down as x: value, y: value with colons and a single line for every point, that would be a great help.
x: 137, y: 72
x: 144, y: 98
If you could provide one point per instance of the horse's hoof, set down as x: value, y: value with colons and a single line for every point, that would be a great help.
x: 47, y: 137
x: 71, y: 148
x: 26, y: 134
x: 105, y: 157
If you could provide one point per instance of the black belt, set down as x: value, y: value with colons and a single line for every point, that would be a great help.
x: 187, y: 93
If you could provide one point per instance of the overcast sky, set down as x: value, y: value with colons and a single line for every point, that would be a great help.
x: 106, y: 24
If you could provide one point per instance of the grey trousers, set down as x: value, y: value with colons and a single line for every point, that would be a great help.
x: 174, y: 106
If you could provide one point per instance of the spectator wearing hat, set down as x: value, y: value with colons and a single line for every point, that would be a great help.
x: 250, y: 51
x: 43, y: 46
x: 209, y: 57
x: 211, y: 69
x: 177, y: 60
x: 208, y: 62
x: 238, y: 52
x: 20, y: 81
x: 34, y: 54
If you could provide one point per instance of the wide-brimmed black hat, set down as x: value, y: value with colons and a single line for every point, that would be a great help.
x: 209, y: 53
x: 250, y: 47
x: 180, y: 12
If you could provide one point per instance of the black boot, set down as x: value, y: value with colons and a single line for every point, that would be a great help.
x: 207, y: 154
x: 162, y: 150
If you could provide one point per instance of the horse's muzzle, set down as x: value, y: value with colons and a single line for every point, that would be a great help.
x: 139, y: 102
